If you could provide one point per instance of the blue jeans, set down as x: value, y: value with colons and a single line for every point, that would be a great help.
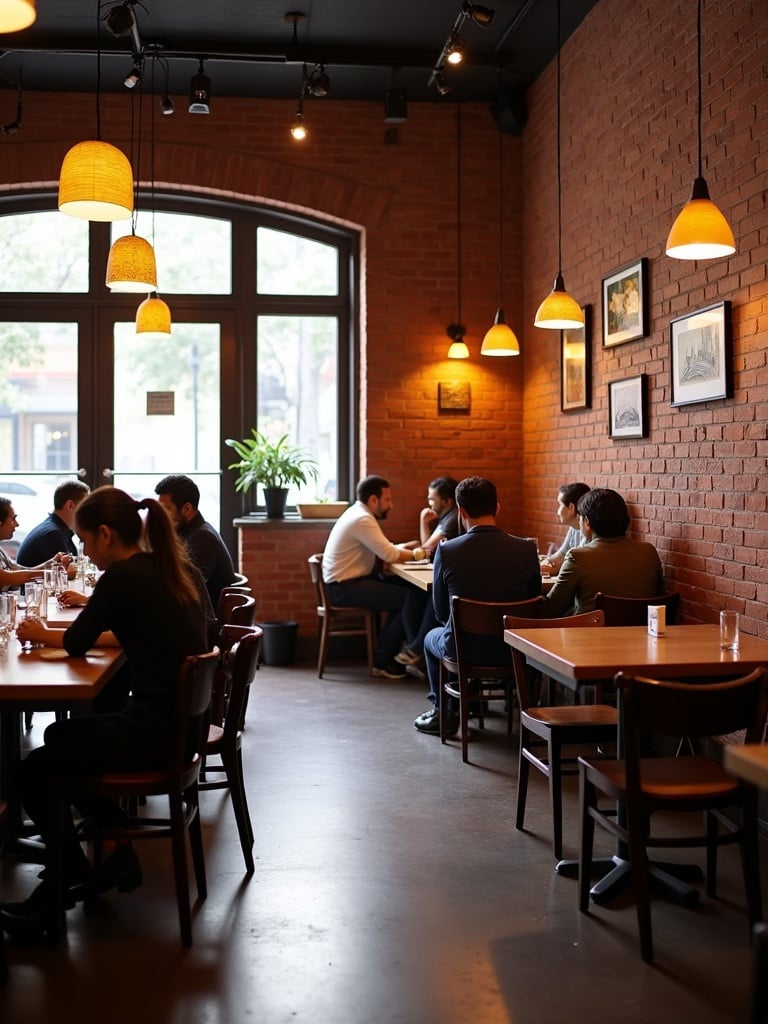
x: 382, y: 595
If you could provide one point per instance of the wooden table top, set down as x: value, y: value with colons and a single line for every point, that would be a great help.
x: 418, y: 573
x: 748, y: 761
x: 61, y: 618
x: 582, y: 654
x: 28, y: 677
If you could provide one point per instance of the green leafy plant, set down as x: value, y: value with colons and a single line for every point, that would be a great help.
x: 271, y: 464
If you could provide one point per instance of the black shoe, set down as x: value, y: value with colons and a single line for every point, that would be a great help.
x: 30, y: 920
x: 430, y: 722
x: 389, y: 671
x: 121, y: 870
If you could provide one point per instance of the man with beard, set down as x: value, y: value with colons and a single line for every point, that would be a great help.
x: 354, y: 554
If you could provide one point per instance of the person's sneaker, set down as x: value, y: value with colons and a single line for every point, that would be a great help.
x: 416, y: 669
x: 389, y: 671
x: 407, y: 657
x: 430, y: 722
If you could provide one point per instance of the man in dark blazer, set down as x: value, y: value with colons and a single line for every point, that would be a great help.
x: 484, y: 564
x: 609, y: 561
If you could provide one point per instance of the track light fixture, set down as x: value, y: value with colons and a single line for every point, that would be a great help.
x: 200, y: 92
x: 318, y: 83
x: 298, y: 128
x: 166, y: 103
x: 13, y: 126
x: 132, y: 79
x: 454, y: 50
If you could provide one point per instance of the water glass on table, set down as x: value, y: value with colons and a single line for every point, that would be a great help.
x: 729, y: 630
x: 7, y: 619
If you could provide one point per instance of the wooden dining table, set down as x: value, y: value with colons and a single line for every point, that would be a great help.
x: 578, y: 656
x: 41, y: 679
x: 420, y: 575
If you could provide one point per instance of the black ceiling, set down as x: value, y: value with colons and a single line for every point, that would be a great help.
x: 367, y: 46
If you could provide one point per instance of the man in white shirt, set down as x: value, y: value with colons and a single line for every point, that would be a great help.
x: 354, y: 548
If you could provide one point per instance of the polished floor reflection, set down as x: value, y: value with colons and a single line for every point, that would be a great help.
x: 390, y: 886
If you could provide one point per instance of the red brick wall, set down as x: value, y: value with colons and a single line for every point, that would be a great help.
x: 697, y: 484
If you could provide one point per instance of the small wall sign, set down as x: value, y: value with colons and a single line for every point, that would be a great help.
x: 161, y: 403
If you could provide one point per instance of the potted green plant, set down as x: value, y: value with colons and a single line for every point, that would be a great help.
x: 273, y: 464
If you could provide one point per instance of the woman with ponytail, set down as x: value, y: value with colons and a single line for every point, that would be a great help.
x: 152, y: 602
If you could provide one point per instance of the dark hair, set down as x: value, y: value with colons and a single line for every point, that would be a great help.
x: 5, y: 508
x: 370, y: 487
x: 569, y: 494
x: 109, y: 506
x: 70, y: 490
x: 477, y: 496
x: 180, y: 489
x: 606, y: 511
x: 445, y: 487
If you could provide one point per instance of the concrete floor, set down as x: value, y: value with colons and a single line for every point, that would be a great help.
x: 391, y: 886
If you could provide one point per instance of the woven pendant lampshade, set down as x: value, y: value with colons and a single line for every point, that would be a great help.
x: 16, y: 15
x: 153, y: 318
x: 96, y: 182
x: 131, y: 265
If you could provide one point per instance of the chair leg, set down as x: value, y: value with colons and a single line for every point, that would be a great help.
x: 638, y: 860
x: 587, y: 800
x: 322, y: 655
x: 710, y: 822
x: 370, y: 638
x: 750, y: 863
x: 523, y: 770
x: 234, y: 769
x: 555, y: 793
x: 180, y: 873
x: 464, y: 719
x: 443, y: 698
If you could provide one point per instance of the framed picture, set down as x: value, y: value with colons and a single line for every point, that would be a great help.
x: 701, y: 358
x: 576, y: 365
x: 625, y: 304
x: 628, y: 406
x: 453, y: 396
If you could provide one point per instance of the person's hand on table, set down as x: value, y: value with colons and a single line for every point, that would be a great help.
x: 33, y: 631
x: 72, y: 599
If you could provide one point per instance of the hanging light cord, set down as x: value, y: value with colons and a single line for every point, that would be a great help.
x: 501, y: 223
x: 698, y: 79
x: 458, y: 211
x: 98, y: 71
x: 559, y: 189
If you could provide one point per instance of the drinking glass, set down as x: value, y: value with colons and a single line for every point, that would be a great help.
x: 33, y: 592
x: 729, y: 631
x: 7, y: 601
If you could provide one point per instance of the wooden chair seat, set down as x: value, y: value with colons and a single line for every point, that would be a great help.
x: 546, y: 731
x: 338, y: 621
x: 644, y: 786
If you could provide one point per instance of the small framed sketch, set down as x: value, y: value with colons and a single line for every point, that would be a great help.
x: 576, y: 365
x: 453, y: 396
x: 701, y: 358
x: 628, y: 406
x: 625, y: 304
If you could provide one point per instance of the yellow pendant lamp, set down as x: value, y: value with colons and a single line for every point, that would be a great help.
x: 559, y: 310
x: 16, y: 15
x: 500, y: 339
x: 96, y: 182
x: 131, y: 265
x: 153, y: 318
x: 700, y: 231
x: 458, y: 348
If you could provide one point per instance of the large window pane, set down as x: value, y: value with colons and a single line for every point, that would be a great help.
x: 149, y: 442
x: 38, y: 417
x: 298, y: 391
x: 292, y: 265
x: 193, y: 254
x: 43, y: 252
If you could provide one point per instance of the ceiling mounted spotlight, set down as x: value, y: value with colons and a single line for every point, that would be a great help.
x: 298, y: 128
x: 166, y: 105
x: 440, y: 83
x: 482, y: 16
x: 132, y: 79
x: 200, y: 92
x: 121, y: 21
x: 318, y: 83
x: 456, y: 51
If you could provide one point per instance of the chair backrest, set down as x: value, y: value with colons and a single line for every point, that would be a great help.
x: 193, y: 700
x: 596, y: 618
x: 243, y: 660
x: 633, y: 611
x: 315, y: 563
x: 239, y: 580
x: 236, y: 609
x: 484, y: 618
x: 690, y: 709
x: 759, y: 999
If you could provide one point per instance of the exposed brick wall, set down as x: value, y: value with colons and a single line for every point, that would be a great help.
x: 697, y: 484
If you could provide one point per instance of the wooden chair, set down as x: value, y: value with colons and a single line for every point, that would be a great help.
x: 759, y: 998
x: 633, y: 611
x: 235, y: 608
x: 335, y: 621
x: 645, y: 785
x: 545, y: 731
x: 178, y: 780
x: 225, y: 741
x: 240, y: 580
x: 495, y: 682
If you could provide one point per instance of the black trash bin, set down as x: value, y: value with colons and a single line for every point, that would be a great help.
x: 279, y: 644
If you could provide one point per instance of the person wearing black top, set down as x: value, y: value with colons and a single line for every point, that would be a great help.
x: 54, y: 535
x: 148, y: 602
x: 180, y: 496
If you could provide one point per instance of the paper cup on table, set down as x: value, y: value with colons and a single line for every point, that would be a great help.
x: 657, y: 620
